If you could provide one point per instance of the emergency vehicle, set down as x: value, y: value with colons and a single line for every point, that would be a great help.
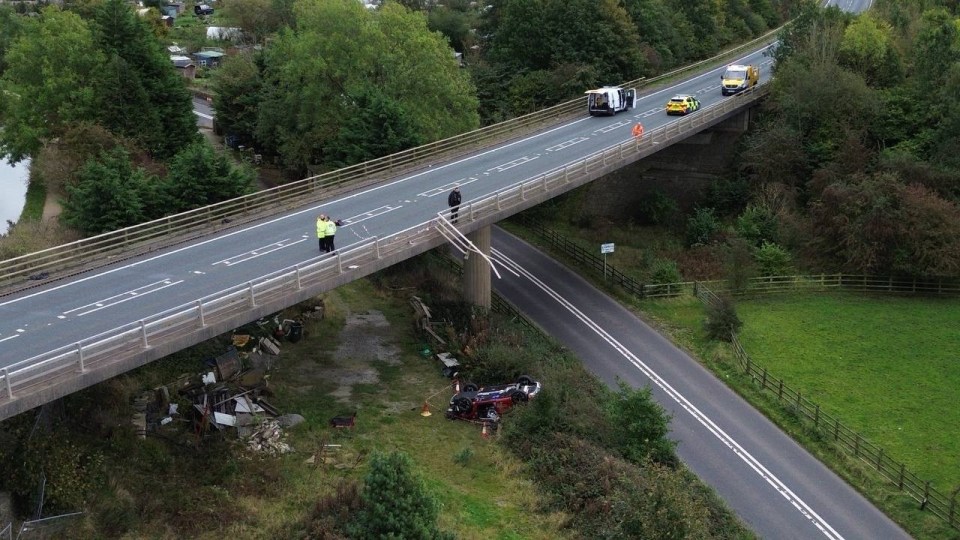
x: 609, y: 100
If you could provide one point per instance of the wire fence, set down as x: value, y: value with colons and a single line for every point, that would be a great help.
x: 829, y: 427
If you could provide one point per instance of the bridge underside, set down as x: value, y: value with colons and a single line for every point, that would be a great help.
x: 145, y: 341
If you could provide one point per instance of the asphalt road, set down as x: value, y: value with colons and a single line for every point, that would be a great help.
x: 204, y: 112
x: 774, y: 485
x: 778, y: 489
x: 62, y: 313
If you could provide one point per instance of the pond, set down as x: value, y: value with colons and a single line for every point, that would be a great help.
x: 13, y: 191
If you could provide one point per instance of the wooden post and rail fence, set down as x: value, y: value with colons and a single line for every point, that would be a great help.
x: 944, y: 506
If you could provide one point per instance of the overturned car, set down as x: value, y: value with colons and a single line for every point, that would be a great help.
x: 490, y: 402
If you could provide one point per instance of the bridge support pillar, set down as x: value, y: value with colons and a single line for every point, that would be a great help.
x: 738, y: 123
x: 476, y: 271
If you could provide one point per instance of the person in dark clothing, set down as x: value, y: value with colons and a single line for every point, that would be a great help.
x: 454, y: 201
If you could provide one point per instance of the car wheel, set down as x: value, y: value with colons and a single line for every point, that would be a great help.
x: 461, y: 405
x: 518, y: 396
x: 470, y: 387
x: 525, y: 380
x: 491, y: 414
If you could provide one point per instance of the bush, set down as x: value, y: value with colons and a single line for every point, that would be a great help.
x: 641, y: 426
x: 740, y: 265
x: 665, y: 271
x: 656, y: 209
x: 722, y: 320
x: 702, y: 226
x: 463, y: 457
x: 773, y: 260
x: 395, y: 502
x: 757, y: 224
x: 727, y: 195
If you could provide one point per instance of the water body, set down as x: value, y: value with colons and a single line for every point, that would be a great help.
x: 13, y: 191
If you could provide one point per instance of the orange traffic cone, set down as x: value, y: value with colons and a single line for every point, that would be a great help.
x: 456, y: 386
x: 485, y: 434
x: 426, y: 410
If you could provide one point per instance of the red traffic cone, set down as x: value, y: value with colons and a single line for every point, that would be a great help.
x: 456, y: 386
x: 426, y: 410
x: 485, y: 433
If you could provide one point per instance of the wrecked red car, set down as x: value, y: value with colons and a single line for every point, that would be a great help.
x: 490, y: 402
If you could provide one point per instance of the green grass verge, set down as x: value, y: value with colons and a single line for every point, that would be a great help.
x: 163, y: 487
x: 887, y: 366
x: 681, y: 319
x: 35, y: 200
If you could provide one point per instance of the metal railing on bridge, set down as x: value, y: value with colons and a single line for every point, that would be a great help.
x: 81, y: 255
x: 119, y: 344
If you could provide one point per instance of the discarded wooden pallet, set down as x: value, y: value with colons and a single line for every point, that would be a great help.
x: 423, y: 319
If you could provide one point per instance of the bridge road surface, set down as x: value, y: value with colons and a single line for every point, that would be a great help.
x: 62, y: 313
x: 776, y: 487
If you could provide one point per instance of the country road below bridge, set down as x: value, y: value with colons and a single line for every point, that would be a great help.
x: 776, y: 487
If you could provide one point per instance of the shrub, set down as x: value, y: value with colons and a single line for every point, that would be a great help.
x: 727, y: 195
x: 722, y: 320
x: 757, y: 224
x: 665, y: 271
x: 702, y: 226
x: 641, y: 426
x: 395, y: 502
x: 773, y: 260
x: 740, y: 265
x: 464, y: 456
x: 656, y: 209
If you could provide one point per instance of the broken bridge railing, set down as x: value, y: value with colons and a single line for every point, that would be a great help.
x: 124, y: 342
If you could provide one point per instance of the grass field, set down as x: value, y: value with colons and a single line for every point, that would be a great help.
x: 882, y: 365
x: 887, y: 366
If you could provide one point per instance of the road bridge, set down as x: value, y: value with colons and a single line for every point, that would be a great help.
x: 71, y: 332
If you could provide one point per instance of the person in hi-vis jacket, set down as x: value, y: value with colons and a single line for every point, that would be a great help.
x: 322, y: 232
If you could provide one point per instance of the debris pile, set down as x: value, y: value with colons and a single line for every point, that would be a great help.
x: 267, y: 439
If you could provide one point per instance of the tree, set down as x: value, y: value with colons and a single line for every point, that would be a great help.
x: 122, y: 33
x: 702, y: 226
x: 9, y: 30
x: 936, y: 39
x: 662, y: 32
x: 238, y: 87
x: 380, y: 127
x: 259, y: 18
x: 722, y: 322
x: 340, y: 51
x: 45, y: 86
x: 773, y: 260
x: 395, y: 503
x: 109, y: 194
x: 641, y: 426
x: 875, y: 224
x: 198, y: 176
x: 454, y: 24
x: 704, y: 17
x: 538, y: 36
x: 123, y: 104
x: 867, y: 48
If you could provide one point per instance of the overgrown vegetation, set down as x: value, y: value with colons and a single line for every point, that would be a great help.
x: 516, y: 485
x: 90, y: 95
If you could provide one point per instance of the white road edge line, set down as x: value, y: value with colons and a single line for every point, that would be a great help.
x: 328, y: 203
x: 698, y: 415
